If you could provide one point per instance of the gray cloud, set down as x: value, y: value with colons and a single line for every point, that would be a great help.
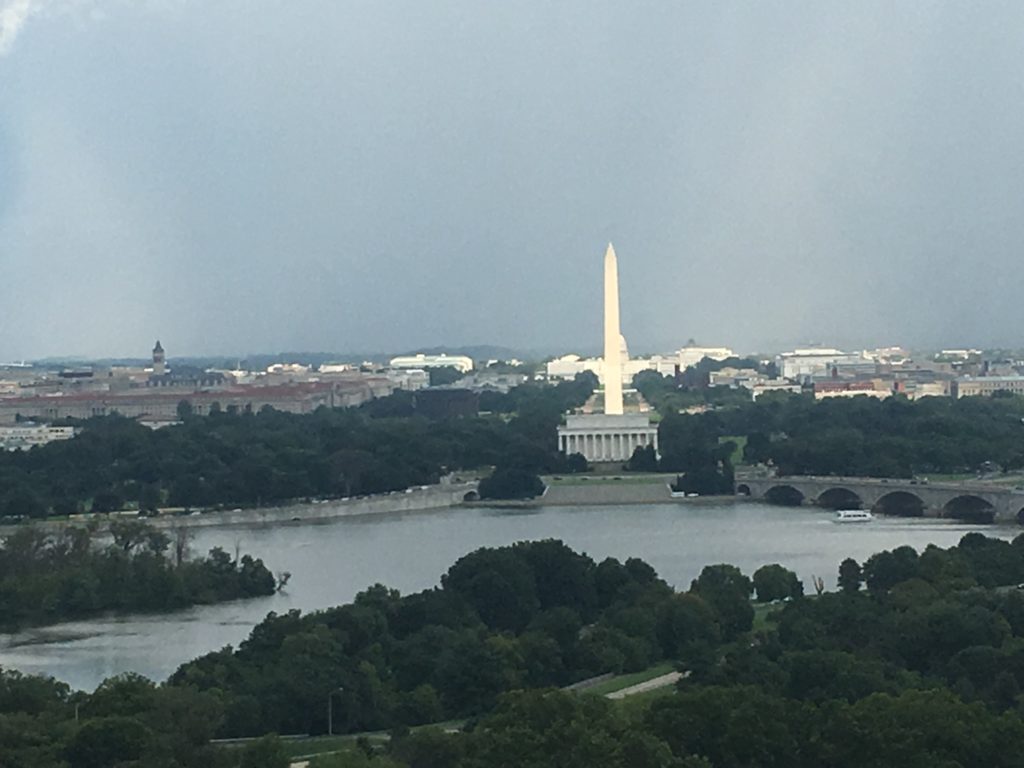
x: 357, y: 176
x: 13, y: 15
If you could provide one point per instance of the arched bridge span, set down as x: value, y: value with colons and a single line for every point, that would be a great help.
x: 966, y: 501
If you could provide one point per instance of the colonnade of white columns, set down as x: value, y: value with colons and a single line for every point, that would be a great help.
x: 606, y: 446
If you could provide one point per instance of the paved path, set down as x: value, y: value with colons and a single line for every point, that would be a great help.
x: 658, y: 682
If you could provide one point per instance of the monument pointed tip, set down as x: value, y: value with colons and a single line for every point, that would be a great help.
x: 610, y: 251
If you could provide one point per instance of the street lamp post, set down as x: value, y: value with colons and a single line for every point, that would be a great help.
x: 330, y: 710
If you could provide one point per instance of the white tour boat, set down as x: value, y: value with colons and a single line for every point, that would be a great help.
x: 853, y: 516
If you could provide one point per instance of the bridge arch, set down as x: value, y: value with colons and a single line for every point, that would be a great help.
x: 900, y: 504
x: 1020, y: 516
x: 784, y: 495
x: 742, y: 489
x: 969, y: 507
x: 839, y: 498
x: 471, y: 496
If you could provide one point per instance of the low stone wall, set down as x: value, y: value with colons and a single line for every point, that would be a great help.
x: 413, y: 500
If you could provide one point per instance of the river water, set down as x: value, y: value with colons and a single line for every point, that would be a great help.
x: 331, y: 561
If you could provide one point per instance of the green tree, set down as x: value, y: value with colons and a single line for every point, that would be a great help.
x: 107, y: 742
x: 884, y: 570
x: 107, y: 500
x: 22, y: 501
x: 265, y: 752
x: 511, y: 483
x: 149, y: 498
x: 850, y: 576
x: 727, y: 591
x: 428, y: 747
x: 734, y: 726
x: 644, y: 459
x: 773, y: 582
x: 499, y: 586
x: 685, y: 624
x: 122, y: 695
x: 576, y: 463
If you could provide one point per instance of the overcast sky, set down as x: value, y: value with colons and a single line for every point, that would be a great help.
x: 242, y: 176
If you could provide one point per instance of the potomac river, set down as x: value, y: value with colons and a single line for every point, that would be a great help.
x: 332, y: 560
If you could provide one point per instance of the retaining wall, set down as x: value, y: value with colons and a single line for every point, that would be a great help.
x: 415, y: 500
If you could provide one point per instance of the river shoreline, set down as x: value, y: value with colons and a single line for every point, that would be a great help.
x: 601, y: 492
x: 421, y: 499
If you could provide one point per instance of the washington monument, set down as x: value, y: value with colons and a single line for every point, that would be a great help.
x: 614, y: 435
x: 612, y: 336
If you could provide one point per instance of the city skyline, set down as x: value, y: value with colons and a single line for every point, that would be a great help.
x: 497, y: 352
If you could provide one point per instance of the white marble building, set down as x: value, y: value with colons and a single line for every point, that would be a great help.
x: 602, y: 437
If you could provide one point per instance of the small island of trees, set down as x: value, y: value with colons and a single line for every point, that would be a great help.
x: 47, y: 577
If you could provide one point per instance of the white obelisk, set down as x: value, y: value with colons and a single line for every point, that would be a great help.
x: 612, y: 336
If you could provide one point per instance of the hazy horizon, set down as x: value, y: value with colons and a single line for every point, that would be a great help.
x: 353, y: 176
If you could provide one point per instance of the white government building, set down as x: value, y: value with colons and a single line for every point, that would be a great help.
x: 567, y: 366
x: 408, y: 362
x: 599, y: 438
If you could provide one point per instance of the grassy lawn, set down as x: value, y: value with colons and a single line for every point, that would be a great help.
x: 741, y: 443
x: 619, y: 682
x: 639, y: 702
x: 320, y: 745
x: 954, y: 477
x: 994, y: 478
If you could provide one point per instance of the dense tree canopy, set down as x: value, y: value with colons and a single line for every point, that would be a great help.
x: 864, y: 436
x: 924, y: 668
x: 533, y: 614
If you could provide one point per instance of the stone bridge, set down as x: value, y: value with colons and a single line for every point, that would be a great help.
x: 978, y: 502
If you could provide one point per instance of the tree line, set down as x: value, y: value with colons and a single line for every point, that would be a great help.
x: 797, y: 434
x: 60, y: 576
x: 918, y: 660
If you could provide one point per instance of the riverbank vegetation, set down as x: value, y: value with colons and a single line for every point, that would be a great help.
x: 915, y: 661
x: 61, y: 576
x: 248, y: 459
